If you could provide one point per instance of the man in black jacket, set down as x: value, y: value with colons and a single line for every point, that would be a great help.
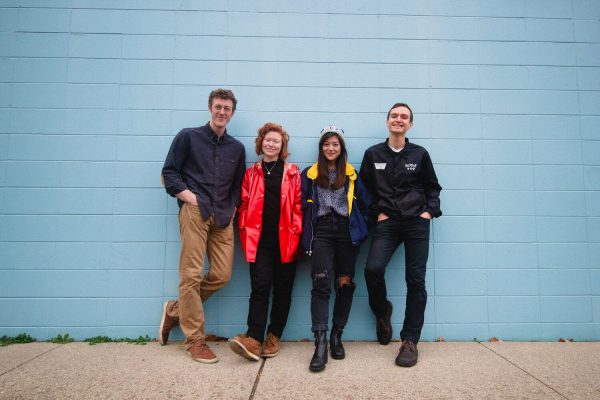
x: 400, y: 177
x: 204, y: 170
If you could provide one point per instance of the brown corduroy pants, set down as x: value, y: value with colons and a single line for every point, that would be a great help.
x: 198, y: 239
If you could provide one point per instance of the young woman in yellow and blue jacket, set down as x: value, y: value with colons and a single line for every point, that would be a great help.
x: 335, y: 209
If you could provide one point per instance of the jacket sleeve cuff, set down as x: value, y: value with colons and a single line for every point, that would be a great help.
x: 174, y: 190
x: 434, y: 213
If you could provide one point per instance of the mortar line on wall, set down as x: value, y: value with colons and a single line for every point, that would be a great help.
x: 293, y: 61
x: 161, y: 136
x: 535, y: 216
x: 317, y: 111
x: 311, y: 13
x: 432, y: 224
x: 164, y: 269
x: 316, y: 37
x: 583, y: 165
x: 323, y: 13
x: 166, y: 217
x: 484, y: 214
x: 305, y: 86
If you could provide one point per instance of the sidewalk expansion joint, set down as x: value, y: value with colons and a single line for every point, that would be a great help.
x: 262, y: 365
x: 31, y: 359
x: 525, y: 371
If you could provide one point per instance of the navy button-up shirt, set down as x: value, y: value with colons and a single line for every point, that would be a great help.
x: 212, y: 167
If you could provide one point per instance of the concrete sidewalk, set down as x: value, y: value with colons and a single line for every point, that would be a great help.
x: 447, y: 370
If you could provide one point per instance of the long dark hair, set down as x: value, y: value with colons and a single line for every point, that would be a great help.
x: 340, y: 164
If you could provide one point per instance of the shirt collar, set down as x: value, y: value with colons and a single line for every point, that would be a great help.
x: 387, y: 143
x: 214, y: 138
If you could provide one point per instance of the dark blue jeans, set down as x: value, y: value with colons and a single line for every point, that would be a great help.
x: 333, y: 257
x: 389, y: 234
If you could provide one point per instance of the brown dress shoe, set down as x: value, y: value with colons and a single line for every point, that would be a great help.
x: 199, y: 351
x: 166, y: 323
x: 408, y: 354
x: 246, y: 347
x: 271, y: 346
x: 384, y: 326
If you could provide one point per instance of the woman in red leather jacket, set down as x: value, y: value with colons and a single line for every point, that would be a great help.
x: 270, y: 222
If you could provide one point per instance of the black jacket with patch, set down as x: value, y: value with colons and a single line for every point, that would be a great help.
x: 401, y: 184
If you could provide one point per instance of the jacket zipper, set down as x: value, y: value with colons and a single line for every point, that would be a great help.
x: 312, y: 227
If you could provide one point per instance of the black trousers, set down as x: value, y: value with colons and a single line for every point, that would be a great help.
x: 267, y: 272
x: 389, y: 234
x: 333, y: 256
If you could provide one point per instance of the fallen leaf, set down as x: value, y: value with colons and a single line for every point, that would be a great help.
x: 495, y: 339
x: 440, y: 339
x: 565, y: 340
x: 214, y: 338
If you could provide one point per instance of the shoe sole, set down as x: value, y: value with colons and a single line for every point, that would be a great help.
x: 318, y: 369
x: 406, y: 365
x: 338, y: 357
x: 202, y: 360
x: 239, y: 348
x: 162, y: 340
x: 269, y: 355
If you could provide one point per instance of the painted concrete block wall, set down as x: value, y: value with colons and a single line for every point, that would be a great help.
x: 506, y: 98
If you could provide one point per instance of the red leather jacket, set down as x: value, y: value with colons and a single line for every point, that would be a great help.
x: 251, y: 209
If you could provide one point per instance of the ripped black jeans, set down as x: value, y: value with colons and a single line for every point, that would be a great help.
x: 333, y: 256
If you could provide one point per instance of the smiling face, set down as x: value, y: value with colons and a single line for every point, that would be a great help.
x: 332, y: 155
x: 399, y: 120
x: 221, y: 111
x: 271, y: 145
x: 332, y: 149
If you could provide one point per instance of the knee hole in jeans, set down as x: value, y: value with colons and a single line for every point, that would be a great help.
x: 320, y: 277
x: 345, y: 280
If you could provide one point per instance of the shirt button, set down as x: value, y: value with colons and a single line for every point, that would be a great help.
x: 257, y: 226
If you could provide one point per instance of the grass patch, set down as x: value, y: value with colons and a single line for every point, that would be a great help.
x: 63, y: 339
x: 142, y: 340
x: 22, y: 338
x: 60, y: 339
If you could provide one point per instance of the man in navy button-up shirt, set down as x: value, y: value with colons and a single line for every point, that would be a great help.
x: 204, y: 169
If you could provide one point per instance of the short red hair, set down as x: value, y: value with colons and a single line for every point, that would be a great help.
x: 273, y: 127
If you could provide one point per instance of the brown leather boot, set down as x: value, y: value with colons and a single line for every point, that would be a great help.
x: 246, y: 347
x: 271, y: 346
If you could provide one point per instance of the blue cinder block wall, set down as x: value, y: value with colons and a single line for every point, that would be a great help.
x: 506, y: 98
